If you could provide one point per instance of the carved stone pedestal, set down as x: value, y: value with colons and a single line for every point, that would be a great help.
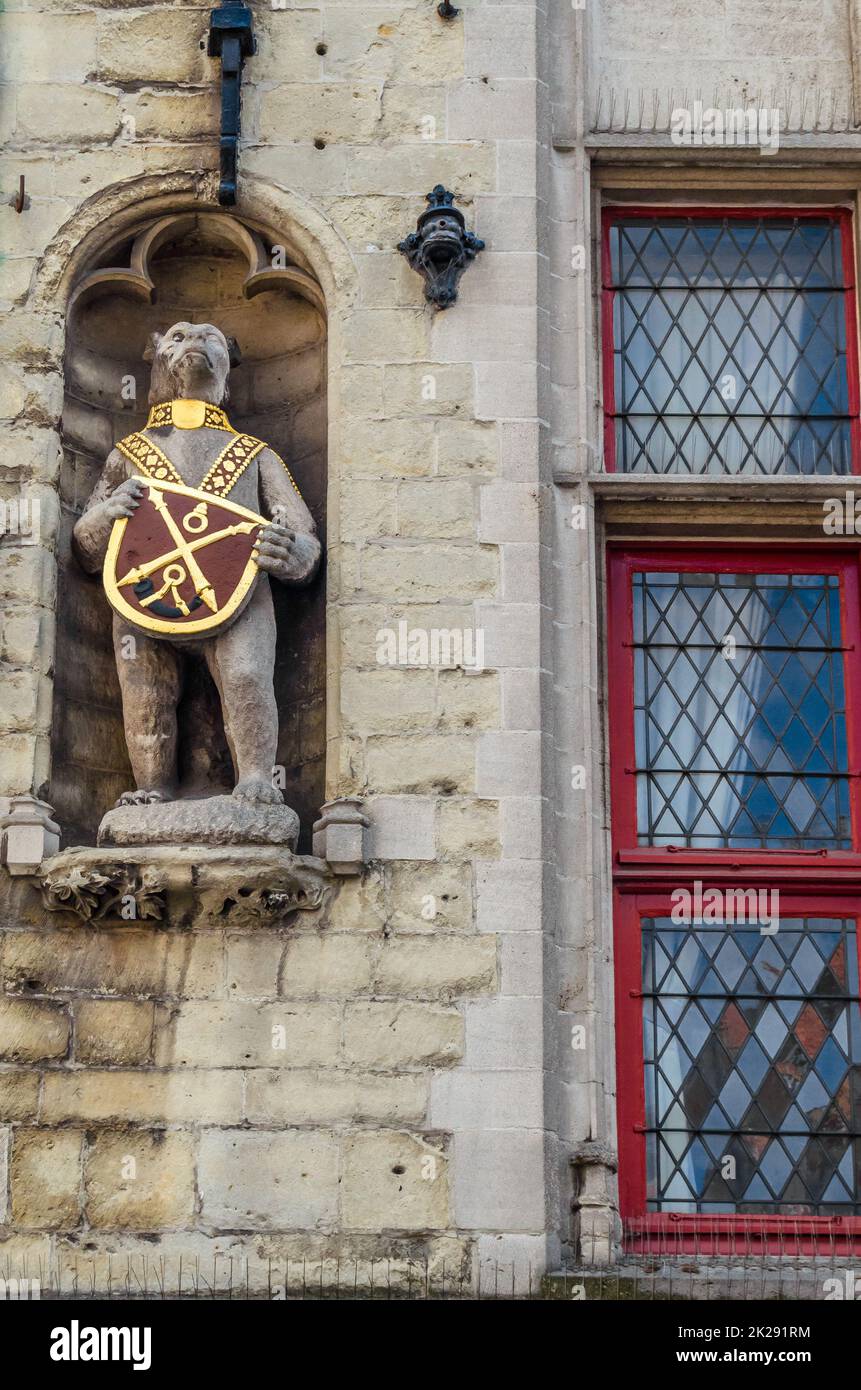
x: 200, y: 885
x: 213, y: 820
x: 597, y: 1227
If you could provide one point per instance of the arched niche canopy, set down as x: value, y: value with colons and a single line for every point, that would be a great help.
x: 268, y: 267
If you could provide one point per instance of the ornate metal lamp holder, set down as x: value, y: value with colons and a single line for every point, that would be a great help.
x: 441, y: 248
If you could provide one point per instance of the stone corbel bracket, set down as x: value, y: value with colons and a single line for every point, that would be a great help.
x: 28, y: 834
x: 97, y: 895
x: 136, y: 279
x: 185, y: 886
x: 440, y: 249
x: 339, y: 835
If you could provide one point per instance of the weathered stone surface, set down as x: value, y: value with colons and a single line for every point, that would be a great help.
x: 468, y: 827
x: 430, y: 897
x: 113, y: 1032
x: 19, y: 1095
x: 335, y: 1097
x: 268, y: 1181
x: 140, y: 1180
x: 32, y: 1031
x: 326, y: 966
x: 114, y: 962
x: 45, y: 1177
x: 393, y: 1180
x: 379, y: 1034
x: 437, y: 966
x: 402, y: 827
x: 253, y: 966
x: 152, y: 46
x: 443, y: 763
x: 239, y: 1034
x: 142, y: 1097
x: 214, y: 820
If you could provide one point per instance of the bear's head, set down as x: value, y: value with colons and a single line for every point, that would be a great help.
x: 191, y: 361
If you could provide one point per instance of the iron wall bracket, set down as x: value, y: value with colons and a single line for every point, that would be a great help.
x: 231, y: 38
x: 441, y: 248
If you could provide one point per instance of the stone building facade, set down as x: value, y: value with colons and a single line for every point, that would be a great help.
x: 444, y: 1086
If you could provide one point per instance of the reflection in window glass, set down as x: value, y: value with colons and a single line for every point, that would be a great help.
x: 752, y: 1048
x: 740, y: 711
x: 729, y: 348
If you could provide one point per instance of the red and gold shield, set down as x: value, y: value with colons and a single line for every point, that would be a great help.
x: 182, y: 565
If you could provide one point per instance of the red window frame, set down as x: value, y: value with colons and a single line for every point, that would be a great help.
x: 840, y: 215
x: 810, y: 881
x: 700, y: 1232
x: 843, y: 560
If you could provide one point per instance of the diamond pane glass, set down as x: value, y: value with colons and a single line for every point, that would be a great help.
x: 752, y: 1046
x: 740, y: 711
x: 729, y: 345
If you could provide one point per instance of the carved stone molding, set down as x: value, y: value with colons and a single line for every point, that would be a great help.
x: 136, y: 279
x: 28, y: 834
x: 200, y: 886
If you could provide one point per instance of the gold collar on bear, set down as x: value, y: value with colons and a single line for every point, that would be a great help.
x: 188, y: 415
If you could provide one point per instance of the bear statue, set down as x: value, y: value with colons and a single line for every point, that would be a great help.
x: 188, y: 453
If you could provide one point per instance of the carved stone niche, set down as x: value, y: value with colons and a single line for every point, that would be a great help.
x: 254, y: 285
x: 187, y: 886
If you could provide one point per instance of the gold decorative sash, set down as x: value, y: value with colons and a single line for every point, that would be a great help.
x: 148, y: 458
x: 231, y: 463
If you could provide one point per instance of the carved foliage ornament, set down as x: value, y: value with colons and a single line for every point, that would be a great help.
x: 257, y: 885
x: 95, y: 896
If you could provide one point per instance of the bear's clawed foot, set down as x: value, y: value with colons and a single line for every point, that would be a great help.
x: 258, y: 789
x: 142, y: 796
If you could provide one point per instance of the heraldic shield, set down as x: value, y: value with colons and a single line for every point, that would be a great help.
x: 182, y: 565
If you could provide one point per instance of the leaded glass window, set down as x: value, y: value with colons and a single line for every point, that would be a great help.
x: 740, y: 711
x: 729, y: 344
x: 752, y: 1052
x: 733, y: 762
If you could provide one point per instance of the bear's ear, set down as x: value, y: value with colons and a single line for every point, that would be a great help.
x: 233, y: 352
x: 152, y: 347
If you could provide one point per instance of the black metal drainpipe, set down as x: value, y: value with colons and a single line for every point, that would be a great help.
x: 231, y: 38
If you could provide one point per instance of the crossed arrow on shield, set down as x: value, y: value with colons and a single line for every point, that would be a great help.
x: 180, y: 562
x: 185, y: 550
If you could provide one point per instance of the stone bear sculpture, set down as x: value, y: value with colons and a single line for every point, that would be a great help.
x: 187, y: 427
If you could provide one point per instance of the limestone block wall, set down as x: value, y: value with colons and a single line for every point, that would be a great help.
x: 648, y: 56
x: 231, y: 1090
x: 407, y: 1113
